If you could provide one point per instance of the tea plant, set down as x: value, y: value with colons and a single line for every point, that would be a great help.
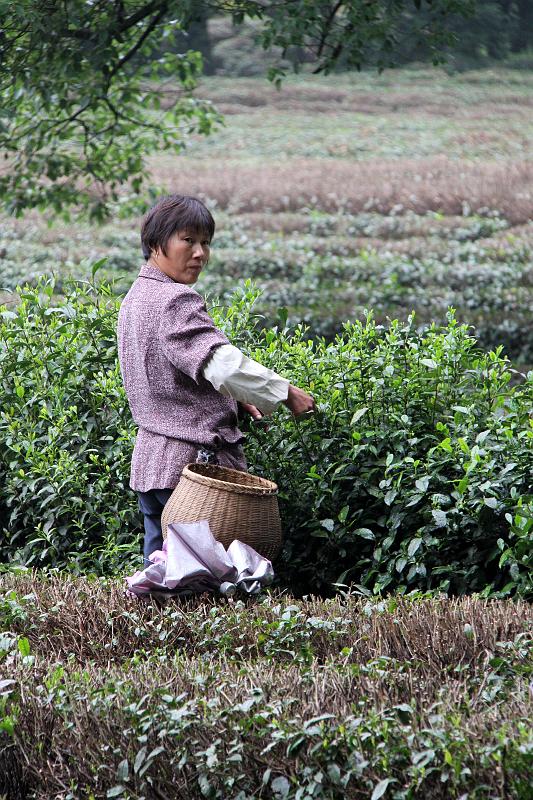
x: 66, y: 434
x: 405, y: 698
x: 414, y: 467
x: 414, y: 473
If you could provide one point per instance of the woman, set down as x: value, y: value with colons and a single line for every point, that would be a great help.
x: 182, y: 377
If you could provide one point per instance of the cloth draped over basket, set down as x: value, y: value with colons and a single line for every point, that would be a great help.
x: 192, y: 561
x: 221, y: 530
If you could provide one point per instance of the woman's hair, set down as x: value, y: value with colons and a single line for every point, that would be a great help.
x: 171, y: 214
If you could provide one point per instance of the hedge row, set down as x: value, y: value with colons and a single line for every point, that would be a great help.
x: 414, y: 473
x: 326, y: 268
x: 347, y: 698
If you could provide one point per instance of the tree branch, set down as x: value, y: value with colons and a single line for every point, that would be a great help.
x: 55, y: 125
x: 119, y: 115
x: 327, y: 27
x: 124, y: 23
x: 142, y: 13
x: 148, y: 30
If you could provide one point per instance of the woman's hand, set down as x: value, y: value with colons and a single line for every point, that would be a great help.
x: 253, y: 411
x: 299, y: 402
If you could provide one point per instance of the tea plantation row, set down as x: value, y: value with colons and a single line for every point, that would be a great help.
x: 415, y: 472
x: 326, y: 268
x: 406, y: 699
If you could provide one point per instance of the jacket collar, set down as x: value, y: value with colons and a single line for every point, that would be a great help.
x: 154, y: 274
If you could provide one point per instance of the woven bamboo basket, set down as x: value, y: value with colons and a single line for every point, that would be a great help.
x: 236, y: 504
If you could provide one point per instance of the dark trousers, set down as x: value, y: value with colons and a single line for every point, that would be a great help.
x: 151, y: 504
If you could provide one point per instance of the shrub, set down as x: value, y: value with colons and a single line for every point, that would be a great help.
x: 402, y: 698
x: 414, y: 473
x: 416, y: 469
x: 65, y: 431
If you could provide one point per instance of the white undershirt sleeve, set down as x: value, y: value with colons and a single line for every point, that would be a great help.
x: 235, y: 375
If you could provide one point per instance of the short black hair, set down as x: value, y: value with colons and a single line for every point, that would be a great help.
x: 171, y: 214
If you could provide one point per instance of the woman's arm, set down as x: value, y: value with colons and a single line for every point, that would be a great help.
x: 235, y: 375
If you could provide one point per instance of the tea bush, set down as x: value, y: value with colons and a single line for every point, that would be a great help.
x: 404, y: 698
x: 416, y: 470
x: 66, y: 435
x: 414, y: 473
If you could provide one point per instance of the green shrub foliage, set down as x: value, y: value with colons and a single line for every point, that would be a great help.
x: 65, y: 432
x: 415, y: 472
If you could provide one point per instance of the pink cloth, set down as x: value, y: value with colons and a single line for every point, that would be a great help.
x: 193, y: 561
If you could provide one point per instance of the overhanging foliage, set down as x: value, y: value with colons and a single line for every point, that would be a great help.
x: 86, y: 95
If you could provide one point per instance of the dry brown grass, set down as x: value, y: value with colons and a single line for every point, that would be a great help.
x: 421, y: 185
x: 366, y: 97
x: 187, y: 675
x: 97, y: 623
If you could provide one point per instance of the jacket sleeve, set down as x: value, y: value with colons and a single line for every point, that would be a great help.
x: 235, y: 375
x: 187, y: 334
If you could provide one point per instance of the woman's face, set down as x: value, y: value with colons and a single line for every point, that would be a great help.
x: 187, y: 254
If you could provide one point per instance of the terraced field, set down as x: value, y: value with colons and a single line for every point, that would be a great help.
x: 407, y: 191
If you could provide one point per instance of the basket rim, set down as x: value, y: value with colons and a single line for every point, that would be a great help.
x: 266, y: 487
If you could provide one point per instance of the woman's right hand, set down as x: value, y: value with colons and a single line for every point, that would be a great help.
x: 299, y: 402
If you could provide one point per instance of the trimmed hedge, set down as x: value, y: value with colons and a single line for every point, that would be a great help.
x: 406, y: 699
x: 414, y: 473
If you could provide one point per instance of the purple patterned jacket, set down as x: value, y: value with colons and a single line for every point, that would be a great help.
x: 165, y: 338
